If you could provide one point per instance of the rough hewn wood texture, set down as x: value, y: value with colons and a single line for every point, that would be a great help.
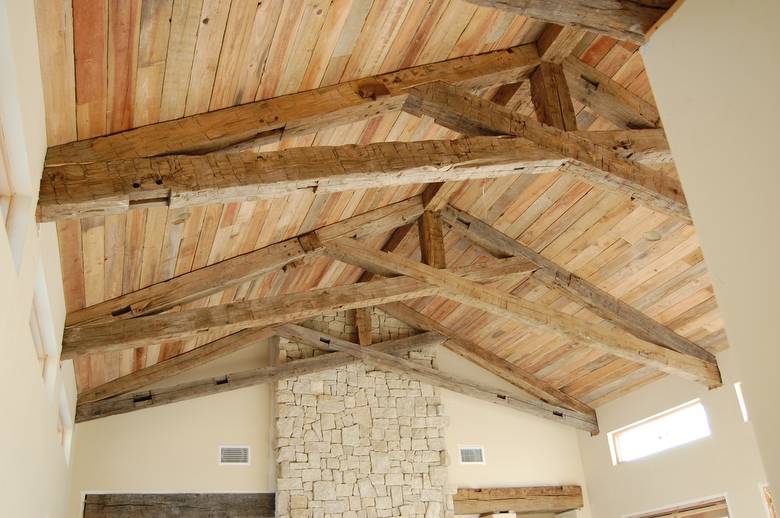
x: 431, y: 239
x: 440, y: 379
x: 580, y: 290
x: 605, y: 96
x: 486, y: 298
x: 163, y: 396
x: 236, y: 270
x: 124, y: 334
x: 180, y: 181
x: 543, y: 499
x: 621, y: 19
x: 464, y: 112
x: 551, y: 97
x: 557, y: 42
x: 298, y: 113
x: 363, y: 325
x: 191, y: 505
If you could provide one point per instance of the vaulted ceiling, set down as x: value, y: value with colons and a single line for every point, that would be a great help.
x: 110, y: 66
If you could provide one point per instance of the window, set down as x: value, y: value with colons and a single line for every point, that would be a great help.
x: 741, y: 400
x: 709, y: 509
x: 680, y: 425
x: 45, y: 342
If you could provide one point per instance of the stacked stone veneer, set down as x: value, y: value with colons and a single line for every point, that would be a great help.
x: 356, y: 442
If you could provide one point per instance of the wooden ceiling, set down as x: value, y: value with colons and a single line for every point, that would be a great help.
x: 114, y: 65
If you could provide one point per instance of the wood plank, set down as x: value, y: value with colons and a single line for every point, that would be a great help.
x: 580, y: 290
x: 183, y: 181
x: 544, y: 499
x: 205, y: 387
x: 426, y: 374
x: 464, y: 112
x: 298, y: 113
x: 192, y: 505
x: 607, y: 97
x: 363, y: 325
x: 551, y: 97
x: 614, y: 341
x: 484, y: 358
x: 431, y: 239
x: 177, y: 364
x: 277, y: 309
x: 621, y: 19
x: 237, y: 270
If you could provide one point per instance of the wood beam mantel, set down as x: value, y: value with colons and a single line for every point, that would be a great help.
x: 297, y: 113
x: 466, y: 113
x: 628, y: 20
x: 543, y: 499
x: 491, y: 300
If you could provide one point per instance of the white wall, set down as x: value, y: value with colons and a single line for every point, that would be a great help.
x: 520, y: 449
x: 174, y: 448
x: 33, y: 467
x: 715, y: 70
x: 727, y: 463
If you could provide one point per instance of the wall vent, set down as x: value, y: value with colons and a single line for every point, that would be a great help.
x: 234, y: 454
x: 472, y: 455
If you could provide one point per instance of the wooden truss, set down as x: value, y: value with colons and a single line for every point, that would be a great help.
x: 213, y: 157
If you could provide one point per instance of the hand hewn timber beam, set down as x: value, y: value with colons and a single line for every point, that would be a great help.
x: 205, y: 387
x: 575, y: 287
x: 491, y: 300
x: 525, y: 500
x: 464, y: 112
x: 234, y: 271
x: 489, y: 361
x: 297, y: 113
x: 621, y: 19
x: 363, y: 325
x: 607, y: 97
x: 440, y: 379
x: 180, y: 181
x: 177, y: 364
x: 551, y: 97
x: 648, y: 146
x: 431, y: 239
x: 144, y: 330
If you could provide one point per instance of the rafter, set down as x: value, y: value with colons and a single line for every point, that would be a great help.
x: 494, y: 301
x: 557, y: 42
x: 414, y: 370
x: 621, y: 19
x: 585, y: 293
x: 234, y: 271
x: 296, y: 114
x: 489, y: 361
x: 607, y: 97
x: 216, y: 385
x: 142, y: 330
x: 177, y: 364
x: 466, y: 113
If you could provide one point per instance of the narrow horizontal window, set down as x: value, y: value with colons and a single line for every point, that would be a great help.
x: 675, y: 427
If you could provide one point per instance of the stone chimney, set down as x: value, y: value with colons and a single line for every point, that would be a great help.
x: 356, y: 442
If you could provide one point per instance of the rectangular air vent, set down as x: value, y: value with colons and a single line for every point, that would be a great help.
x: 472, y: 455
x: 234, y: 454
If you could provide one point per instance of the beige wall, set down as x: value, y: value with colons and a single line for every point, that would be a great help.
x: 520, y: 449
x: 33, y: 466
x: 174, y: 448
x: 715, y: 70
x: 727, y: 463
